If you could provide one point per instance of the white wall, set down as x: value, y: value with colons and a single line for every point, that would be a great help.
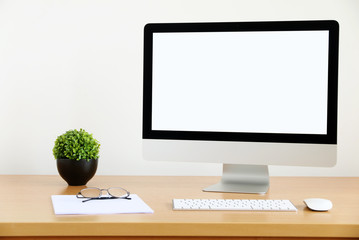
x: 78, y: 64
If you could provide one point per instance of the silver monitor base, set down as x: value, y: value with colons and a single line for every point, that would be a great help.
x: 242, y: 179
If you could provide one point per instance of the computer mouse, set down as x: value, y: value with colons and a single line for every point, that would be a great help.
x: 318, y: 204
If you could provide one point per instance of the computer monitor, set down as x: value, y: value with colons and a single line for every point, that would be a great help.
x: 245, y: 94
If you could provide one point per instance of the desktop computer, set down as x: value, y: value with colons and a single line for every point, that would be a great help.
x: 244, y: 94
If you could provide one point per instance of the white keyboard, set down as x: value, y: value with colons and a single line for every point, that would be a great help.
x: 234, y: 204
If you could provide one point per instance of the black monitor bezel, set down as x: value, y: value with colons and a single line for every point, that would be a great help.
x: 330, y: 138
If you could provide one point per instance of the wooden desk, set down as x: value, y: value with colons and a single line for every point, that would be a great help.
x: 26, y: 210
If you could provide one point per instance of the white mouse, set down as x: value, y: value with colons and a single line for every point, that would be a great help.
x: 318, y: 204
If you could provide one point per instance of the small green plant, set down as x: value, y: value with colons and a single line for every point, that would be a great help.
x: 76, y: 145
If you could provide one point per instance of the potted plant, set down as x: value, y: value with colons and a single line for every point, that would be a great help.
x: 76, y: 153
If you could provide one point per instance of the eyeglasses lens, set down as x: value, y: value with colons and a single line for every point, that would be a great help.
x: 117, y: 192
x: 91, y: 192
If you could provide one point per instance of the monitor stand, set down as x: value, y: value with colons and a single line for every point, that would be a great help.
x: 238, y: 178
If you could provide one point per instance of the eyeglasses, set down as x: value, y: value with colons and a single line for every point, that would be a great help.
x: 94, y: 193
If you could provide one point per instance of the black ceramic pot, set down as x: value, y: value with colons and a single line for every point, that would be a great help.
x: 77, y: 172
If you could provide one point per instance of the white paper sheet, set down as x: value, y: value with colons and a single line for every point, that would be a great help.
x: 70, y: 204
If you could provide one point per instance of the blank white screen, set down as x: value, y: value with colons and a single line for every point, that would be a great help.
x: 260, y: 82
